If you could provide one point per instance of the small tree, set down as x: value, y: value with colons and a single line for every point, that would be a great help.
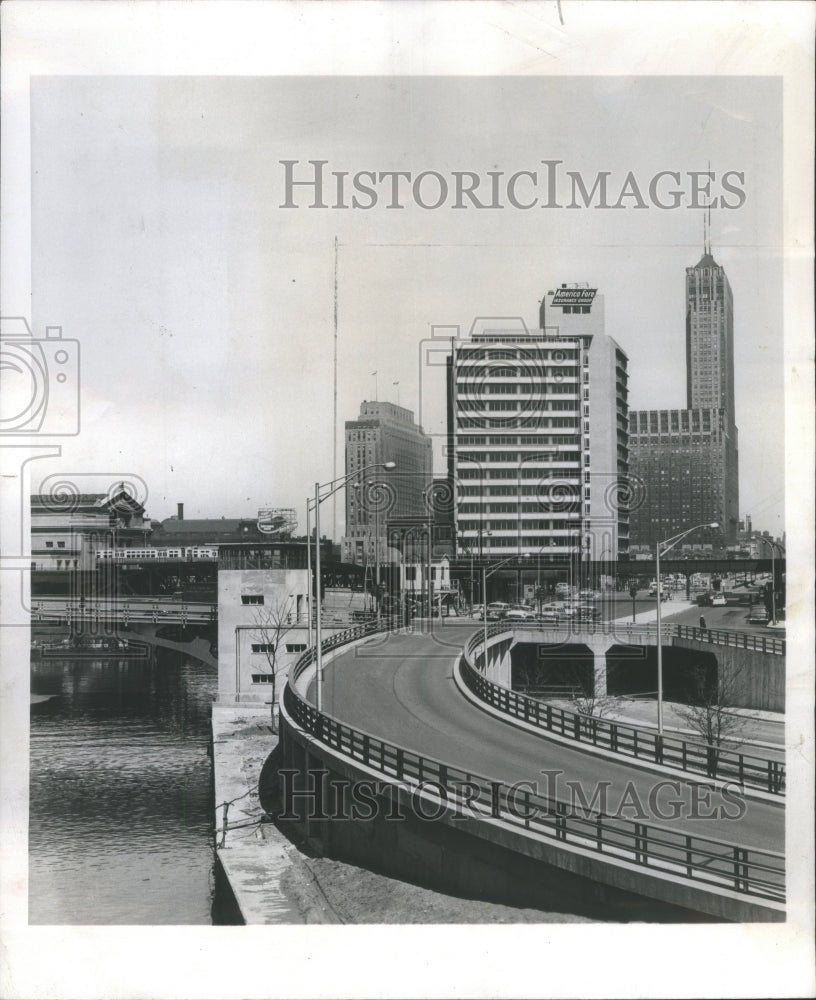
x: 710, y: 714
x: 587, y: 701
x: 271, y: 624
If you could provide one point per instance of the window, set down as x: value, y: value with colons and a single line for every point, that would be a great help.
x: 60, y: 545
x: 263, y: 647
x: 410, y: 573
x: 252, y: 599
x: 295, y: 647
x: 49, y: 545
x: 262, y: 679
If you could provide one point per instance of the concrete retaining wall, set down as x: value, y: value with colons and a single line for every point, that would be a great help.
x: 754, y: 680
x: 486, y: 858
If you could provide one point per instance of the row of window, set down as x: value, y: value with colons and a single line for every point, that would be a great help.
x: 529, y: 421
x: 532, y: 524
x: 524, y: 457
x: 526, y: 472
x: 526, y: 489
x: 505, y: 508
x: 562, y: 352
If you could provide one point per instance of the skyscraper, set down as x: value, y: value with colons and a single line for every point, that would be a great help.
x: 688, y: 459
x: 539, y: 434
x: 709, y: 337
x: 382, y: 433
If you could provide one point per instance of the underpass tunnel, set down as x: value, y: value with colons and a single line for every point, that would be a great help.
x: 553, y: 669
x: 632, y: 670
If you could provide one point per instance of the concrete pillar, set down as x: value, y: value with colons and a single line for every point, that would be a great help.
x: 599, y: 658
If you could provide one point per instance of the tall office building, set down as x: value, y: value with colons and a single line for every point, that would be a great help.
x: 382, y: 433
x: 538, y: 431
x: 688, y: 459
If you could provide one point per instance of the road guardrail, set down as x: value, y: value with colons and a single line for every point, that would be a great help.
x: 643, y: 744
x: 752, y: 872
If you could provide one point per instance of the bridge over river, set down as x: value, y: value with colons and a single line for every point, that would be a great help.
x: 515, y: 809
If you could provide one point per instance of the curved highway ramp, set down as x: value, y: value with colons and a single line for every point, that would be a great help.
x: 402, y: 772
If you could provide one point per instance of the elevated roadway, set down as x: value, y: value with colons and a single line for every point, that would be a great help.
x: 400, y: 687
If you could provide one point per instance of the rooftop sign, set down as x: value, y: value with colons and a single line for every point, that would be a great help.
x: 574, y: 296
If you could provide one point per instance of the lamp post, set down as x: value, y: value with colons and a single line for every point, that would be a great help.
x: 668, y: 543
x: 309, y: 505
x: 332, y: 487
x: 774, y: 546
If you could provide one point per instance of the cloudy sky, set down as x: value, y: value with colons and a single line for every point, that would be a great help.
x: 205, y: 310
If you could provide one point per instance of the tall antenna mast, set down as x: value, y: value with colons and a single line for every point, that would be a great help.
x: 334, y: 444
x: 708, y: 247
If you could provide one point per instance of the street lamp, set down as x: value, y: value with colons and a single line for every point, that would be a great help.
x: 668, y: 543
x: 774, y: 546
x: 485, y: 577
x: 332, y: 487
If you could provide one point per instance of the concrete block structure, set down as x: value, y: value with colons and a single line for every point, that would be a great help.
x: 262, y: 630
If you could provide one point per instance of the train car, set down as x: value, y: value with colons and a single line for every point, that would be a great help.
x: 191, y: 553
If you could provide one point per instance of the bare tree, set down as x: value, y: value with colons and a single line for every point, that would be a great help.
x: 587, y: 701
x: 710, y: 710
x: 271, y: 624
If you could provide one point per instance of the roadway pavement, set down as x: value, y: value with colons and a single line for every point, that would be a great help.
x: 401, y: 688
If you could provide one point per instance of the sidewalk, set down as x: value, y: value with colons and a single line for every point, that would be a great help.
x: 262, y: 867
x: 671, y: 607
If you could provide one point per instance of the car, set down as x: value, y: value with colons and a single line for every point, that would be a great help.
x: 478, y: 611
x: 718, y: 601
x: 514, y: 615
x: 758, y: 615
x: 587, y: 612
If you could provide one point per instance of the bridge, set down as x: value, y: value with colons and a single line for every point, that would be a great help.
x: 124, y: 610
x: 502, y: 796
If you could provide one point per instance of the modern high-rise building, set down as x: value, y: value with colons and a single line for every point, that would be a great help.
x: 687, y: 460
x: 539, y: 434
x: 383, y: 433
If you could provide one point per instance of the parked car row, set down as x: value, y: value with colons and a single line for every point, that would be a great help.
x: 553, y: 612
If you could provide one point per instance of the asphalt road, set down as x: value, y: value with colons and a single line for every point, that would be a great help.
x: 401, y: 689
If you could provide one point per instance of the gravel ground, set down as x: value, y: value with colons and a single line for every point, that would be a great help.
x: 327, y: 891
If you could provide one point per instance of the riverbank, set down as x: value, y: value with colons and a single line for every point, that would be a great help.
x: 268, y: 880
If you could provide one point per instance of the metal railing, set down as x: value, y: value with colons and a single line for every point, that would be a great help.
x: 717, y: 637
x: 752, y: 872
x: 644, y: 744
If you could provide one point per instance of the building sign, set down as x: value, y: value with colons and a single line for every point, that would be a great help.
x: 574, y: 296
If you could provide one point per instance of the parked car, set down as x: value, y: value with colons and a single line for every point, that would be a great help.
x: 758, y: 615
x: 514, y: 615
x: 496, y: 610
x: 718, y: 601
x: 587, y: 612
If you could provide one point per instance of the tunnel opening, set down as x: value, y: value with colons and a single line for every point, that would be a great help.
x: 633, y: 671
x: 552, y: 670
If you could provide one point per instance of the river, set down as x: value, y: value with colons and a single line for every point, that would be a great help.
x: 121, y: 801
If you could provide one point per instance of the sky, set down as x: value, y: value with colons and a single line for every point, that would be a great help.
x: 205, y: 311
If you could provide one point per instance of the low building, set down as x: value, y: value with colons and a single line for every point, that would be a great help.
x: 68, y: 531
x: 262, y: 630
